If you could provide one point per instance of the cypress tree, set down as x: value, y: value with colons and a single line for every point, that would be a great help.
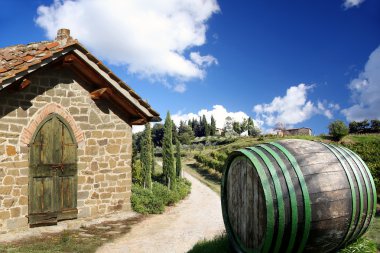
x: 153, y: 160
x: 175, y: 133
x: 167, y: 153
x: 178, y: 159
x: 213, y: 126
x: 206, y: 126
x: 146, y: 157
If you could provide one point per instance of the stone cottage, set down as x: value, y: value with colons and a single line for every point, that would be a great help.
x: 65, y: 134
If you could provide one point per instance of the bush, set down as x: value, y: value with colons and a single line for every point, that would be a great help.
x: 369, y: 152
x: 153, y: 201
x: 338, y: 130
x: 209, y: 162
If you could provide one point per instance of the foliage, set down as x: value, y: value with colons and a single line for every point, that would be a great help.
x: 364, y: 126
x: 375, y: 126
x: 237, y: 127
x: 146, y: 157
x: 228, y: 126
x: 338, y: 130
x: 209, y: 162
x: 185, y: 133
x: 157, y: 134
x: 167, y: 154
x: 174, y: 133
x: 178, y: 159
x: 153, y: 201
x: 137, y: 172
x: 219, y: 244
x: 153, y: 161
x: 368, y: 148
x: 362, y: 245
x: 136, y: 142
x: 213, y: 126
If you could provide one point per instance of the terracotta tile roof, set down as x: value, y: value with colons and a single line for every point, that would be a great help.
x: 20, y: 60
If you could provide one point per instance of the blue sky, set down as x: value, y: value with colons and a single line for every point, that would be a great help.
x: 302, y: 63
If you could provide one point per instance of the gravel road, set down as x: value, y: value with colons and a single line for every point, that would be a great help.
x: 197, y: 217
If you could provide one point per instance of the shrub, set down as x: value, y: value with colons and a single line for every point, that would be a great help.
x: 338, y: 129
x: 369, y: 151
x: 209, y: 162
x: 153, y: 201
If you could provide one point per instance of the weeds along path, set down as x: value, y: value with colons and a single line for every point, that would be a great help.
x: 197, y: 217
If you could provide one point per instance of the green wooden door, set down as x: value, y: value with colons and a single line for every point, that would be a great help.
x: 53, y: 173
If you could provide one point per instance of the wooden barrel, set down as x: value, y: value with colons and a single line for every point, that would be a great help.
x: 295, y: 196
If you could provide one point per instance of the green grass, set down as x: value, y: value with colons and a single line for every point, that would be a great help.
x: 370, y: 243
x: 374, y: 232
x: 218, y: 244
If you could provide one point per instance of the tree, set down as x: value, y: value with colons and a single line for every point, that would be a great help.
x: 252, y: 130
x: 136, y: 142
x: 375, y: 126
x: 178, y: 159
x: 280, y: 126
x: 146, y: 157
x: 237, y: 127
x: 353, y: 127
x: 197, y: 128
x: 153, y: 161
x: 338, y: 130
x: 363, y: 126
x: 174, y: 132
x: 157, y: 134
x: 228, y: 126
x: 185, y: 133
x: 167, y: 153
x: 213, y: 126
x: 205, y: 126
x: 136, y: 172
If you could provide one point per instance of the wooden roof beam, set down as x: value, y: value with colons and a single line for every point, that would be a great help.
x: 97, y: 94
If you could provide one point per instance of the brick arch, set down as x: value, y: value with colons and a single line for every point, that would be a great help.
x: 41, y: 114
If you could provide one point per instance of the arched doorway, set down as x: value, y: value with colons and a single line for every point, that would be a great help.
x: 53, y: 179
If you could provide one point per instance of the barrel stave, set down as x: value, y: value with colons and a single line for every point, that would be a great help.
x: 337, y: 188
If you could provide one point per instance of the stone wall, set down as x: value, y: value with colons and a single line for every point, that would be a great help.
x: 297, y: 131
x: 104, y: 152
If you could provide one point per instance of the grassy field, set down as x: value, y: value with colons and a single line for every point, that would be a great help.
x: 367, y: 146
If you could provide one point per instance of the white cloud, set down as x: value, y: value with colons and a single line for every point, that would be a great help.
x: 203, y: 61
x: 366, y: 91
x: 352, y: 3
x: 138, y: 128
x: 219, y: 113
x: 293, y: 108
x: 151, y: 38
x: 180, y: 88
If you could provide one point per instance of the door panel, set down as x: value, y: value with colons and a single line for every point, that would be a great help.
x: 43, y: 193
x: 67, y: 200
x: 53, y: 173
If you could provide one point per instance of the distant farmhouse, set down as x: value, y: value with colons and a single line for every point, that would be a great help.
x: 294, y: 131
x: 65, y: 134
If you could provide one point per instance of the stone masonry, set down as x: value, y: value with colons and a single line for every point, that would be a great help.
x: 104, y: 139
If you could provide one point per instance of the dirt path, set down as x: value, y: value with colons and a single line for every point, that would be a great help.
x: 178, y: 229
